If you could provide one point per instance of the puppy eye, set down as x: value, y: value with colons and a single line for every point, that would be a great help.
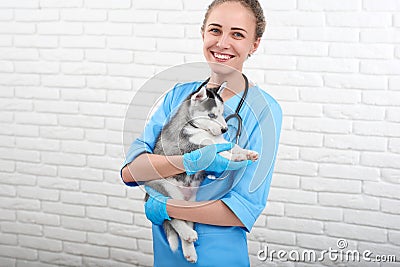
x: 212, y: 115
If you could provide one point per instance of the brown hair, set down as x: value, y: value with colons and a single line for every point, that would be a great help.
x: 253, y: 5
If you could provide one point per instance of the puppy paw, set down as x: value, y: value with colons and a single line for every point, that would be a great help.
x: 252, y: 155
x: 190, y: 235
x: 189, y: 252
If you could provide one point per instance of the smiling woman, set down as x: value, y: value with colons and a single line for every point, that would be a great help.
x: 223, y: 209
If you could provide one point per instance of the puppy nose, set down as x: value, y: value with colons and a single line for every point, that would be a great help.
x: 224, y: 130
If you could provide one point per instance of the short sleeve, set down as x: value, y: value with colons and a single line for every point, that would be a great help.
x: 248, y: 197
x: 146, y: 142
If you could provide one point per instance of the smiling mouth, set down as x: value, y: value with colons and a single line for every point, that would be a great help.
x: 221, y: 57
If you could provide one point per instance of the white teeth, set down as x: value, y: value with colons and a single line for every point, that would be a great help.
x: 220, y: 56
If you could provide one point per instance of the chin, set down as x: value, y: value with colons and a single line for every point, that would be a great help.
x: 221, y: 68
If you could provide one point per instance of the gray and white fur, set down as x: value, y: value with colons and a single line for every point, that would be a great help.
x: 198, y: 122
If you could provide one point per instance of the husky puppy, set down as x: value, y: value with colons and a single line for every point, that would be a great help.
x: 198, y: 122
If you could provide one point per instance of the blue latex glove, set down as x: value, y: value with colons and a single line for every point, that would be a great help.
x: 156, y: 206
x: 208, y: 159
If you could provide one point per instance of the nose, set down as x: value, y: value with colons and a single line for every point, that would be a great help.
x: 223, y: 41
x: 224, y: 130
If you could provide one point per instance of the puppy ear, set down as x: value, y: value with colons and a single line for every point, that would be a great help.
x: 199, y: 95
x: 221, y: 88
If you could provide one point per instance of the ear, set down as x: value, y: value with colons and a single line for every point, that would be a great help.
x: 221, y: 88
x: 199, y: 96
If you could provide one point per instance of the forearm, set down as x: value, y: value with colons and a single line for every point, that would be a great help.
x: 206, y: 212
x: 147, y: 167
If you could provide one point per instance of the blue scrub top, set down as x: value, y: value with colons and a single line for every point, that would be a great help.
x: 244, y: 191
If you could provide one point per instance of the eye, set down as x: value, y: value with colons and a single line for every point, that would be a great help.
x: 212, y: 115
x: 238, y: 35
x: 214, y: 30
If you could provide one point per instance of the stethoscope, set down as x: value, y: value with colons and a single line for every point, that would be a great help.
x: 239, y: 106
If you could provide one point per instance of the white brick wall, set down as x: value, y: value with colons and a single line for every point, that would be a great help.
x: 68, y: 70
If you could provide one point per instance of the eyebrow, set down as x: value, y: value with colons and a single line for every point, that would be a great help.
x: 233, y: 28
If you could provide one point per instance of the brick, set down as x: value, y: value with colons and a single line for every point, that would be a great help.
x: 112, y: 137
x: 181, y: 46
x: 301, y: 139
x: 313, y: 212
x: 380, y: 249
x: 381, y: 189
x: 296, y: 167
x: 20, y: 179
x: 112, y: 241
x: 6, y: 40
x: 296, y: 18
x: 281, y: 33
x: 85, y: 41
x: 310, y: 64
x: 86, y: 250
x: 380, y: 128
x: 60, y: 3
x: 16, y: 105
x: 132, y: 15
x: 85, y: 15
x: 329, y: 155
x: 63, y: 81
x: 320, y: 242
x: 359, y: 19
x: 58, y: 183
x: 150, y: 4
x: 64, y: 234
x: 6, y: 67
x: 302, y: 109
x: 8, y: 190
x: 380, y: 35
x: 130, y: 231
x: 296, y: 225
x: 378, y: 159
x: 109, y: 29
x: 355, y: 142
x: 20, y: 155
x: 19, y: 54
x: 394, y: 145
x: 331, y: 185
x: 329, y: 34
x: 288, y: 152
x: 325, y: 5
x: 83, y: 224
x: 61, y: 54
x: 297, y: 48
x: 38, y: 15
x: 354, y: 112
x: 292, y: 196
x: 80, y: 173
x: 372, y: 218
x: 83, y: 198
x: 130, y: 43
x: 387, y: 98
x: 392, y: 114
x: 81, y: 121
x: 38, y: 218
x: 146, y: 246
x: 83, y: 68
x: 109, y: 56
x: 131, y: 205
x: 390, y: 175
x: 110, y: 83
x: 7, y: 166
x: 40, y: 243
x: 285, y: 181
x: 272, y: 236
x: 368, y: 51
x: 133, y: 257
x: 386, y: 67
x: 102, y: 162
x: 390, y: 205
x: 293, y: 78
x: 330, y: 96
x: 38, y: 193
x: 37, y: 93
x: 18, y: 252
x: 16, y: 28
x: 56, y: 259
x: 37, y: 144
x: 21, y: 228
x: 127, y: 70
x: 150, y: 58
x: 356, y: 172
x: 102, y: 109
x: 63, y: 209
x: 59, y: 28
x: 323, y: 125
x: 82, y: 147
x: 19, y: 79
x: 385, y: 5
x: 55, y: 132
x: 394, y: 237
x: 58, y: 158
x: 349, y: 201
x: 8, y: 239
x: 8, y: 215
x: 281, y: 5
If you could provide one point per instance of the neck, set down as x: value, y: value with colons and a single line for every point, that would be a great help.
x: 235, y: 83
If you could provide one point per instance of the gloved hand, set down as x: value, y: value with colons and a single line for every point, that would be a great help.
x: 208, y: 159
x: 156, y: 206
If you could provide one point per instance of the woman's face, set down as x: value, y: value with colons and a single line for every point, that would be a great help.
x: 229, y: 36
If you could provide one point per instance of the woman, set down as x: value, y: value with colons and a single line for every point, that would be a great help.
x: 225, y: 209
